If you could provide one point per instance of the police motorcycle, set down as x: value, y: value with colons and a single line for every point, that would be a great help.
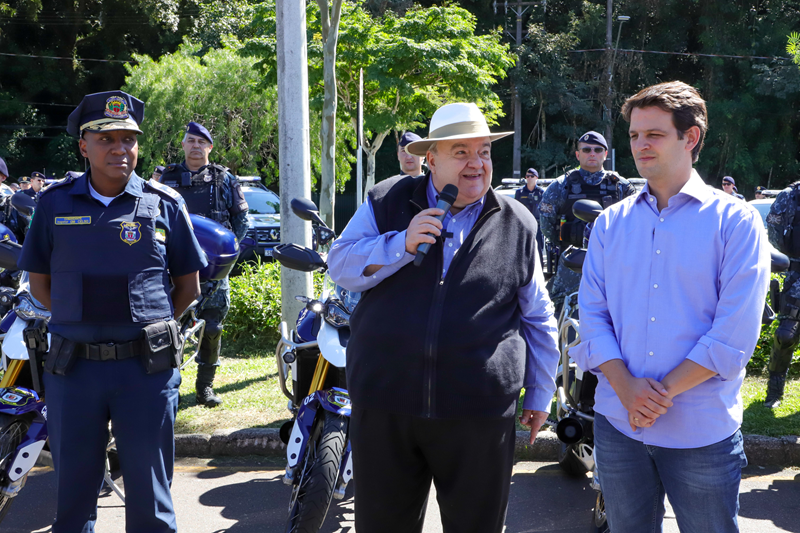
x: 23, y: 413
x: 575, y: 388
x: 313, y: 356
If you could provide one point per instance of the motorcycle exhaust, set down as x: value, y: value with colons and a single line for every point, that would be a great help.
x: 570, y: 430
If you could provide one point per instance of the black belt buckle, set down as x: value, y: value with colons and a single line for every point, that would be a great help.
x: 108, y: 352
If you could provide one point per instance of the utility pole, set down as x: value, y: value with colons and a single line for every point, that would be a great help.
x: 518, y: 8
x: 293, y: 138
x: 610, y: 93
x: 607, y: 104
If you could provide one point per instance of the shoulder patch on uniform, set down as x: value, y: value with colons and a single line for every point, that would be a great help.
x: 160, y: 187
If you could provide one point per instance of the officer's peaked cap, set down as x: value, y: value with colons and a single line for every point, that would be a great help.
x: 37, y: 174
x: 592, y: 137
x: 3, y: 167
x: 193, y: 128
x: 24, y: 179
x: 108, y: 111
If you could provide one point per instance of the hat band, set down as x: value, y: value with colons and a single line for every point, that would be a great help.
x: 103, y: 121
x: 460, y: 128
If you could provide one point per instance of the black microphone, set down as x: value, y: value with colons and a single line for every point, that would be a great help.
x: 446, y: 200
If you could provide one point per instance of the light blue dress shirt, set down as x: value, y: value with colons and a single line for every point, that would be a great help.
x: 361, y: 244
x: 658, y: 288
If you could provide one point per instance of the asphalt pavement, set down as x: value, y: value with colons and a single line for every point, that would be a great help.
x: 246, y: 494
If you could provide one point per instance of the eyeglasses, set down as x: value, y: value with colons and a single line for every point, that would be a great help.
x: 597, y: 150
x: 728, y: 183
x: 530, y: 175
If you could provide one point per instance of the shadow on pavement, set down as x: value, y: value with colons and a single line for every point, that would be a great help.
x: 779, y: 503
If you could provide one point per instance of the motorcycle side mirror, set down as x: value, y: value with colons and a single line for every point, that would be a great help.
x: 573, y: 259
x: 306, y: 210
x: 586, y: 210
x: 23, y: 203
x: 780, y: 263
x: 297, y: 257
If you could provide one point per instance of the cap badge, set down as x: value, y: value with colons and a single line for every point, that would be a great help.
x: 116, y: 108
x: 585, y: 138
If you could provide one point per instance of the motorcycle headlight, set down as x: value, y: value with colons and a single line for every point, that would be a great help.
x: 27, y: 310
x: 335, y: 315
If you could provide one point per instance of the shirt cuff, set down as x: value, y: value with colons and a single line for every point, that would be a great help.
x: 537, y: 399
x: 589, y: 355
x: 726, y: 361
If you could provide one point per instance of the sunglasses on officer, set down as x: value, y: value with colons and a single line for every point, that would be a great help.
x: 596, y: 149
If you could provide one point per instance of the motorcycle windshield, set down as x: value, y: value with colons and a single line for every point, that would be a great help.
x: 331, y: 290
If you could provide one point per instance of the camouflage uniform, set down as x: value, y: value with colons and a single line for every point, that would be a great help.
x: 231, y: 213
x: 557, y: 199
x: 781, y: 228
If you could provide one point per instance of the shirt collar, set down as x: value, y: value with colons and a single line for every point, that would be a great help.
x: 133, y: 187
x: 433, y: 196
x: 695, y: 188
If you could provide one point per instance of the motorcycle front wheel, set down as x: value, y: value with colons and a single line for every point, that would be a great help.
x: 316, y: 478
x: 599, y: 523
x: 12, y: 431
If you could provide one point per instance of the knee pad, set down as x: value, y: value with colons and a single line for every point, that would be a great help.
x: 786, y: 335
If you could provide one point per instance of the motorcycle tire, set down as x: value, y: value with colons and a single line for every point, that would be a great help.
x: 316, y: 479
x: 12, y: 431
x: 599, y: 523
x: 569, y: 462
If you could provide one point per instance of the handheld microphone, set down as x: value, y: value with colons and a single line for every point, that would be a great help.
x: 446, y: 200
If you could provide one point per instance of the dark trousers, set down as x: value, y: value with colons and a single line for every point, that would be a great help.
x: 214, y: 313
x: 395, y: 458
x: 142, y: 411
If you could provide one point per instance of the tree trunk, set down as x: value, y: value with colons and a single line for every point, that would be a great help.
x: 330, y: 37
x: 373, y: 148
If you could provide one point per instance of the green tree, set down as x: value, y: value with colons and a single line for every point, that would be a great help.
x: 225, y: 95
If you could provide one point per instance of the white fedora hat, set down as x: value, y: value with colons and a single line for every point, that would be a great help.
x: 455, y: 121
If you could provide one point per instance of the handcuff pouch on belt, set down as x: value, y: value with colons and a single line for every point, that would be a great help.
x: 35, y: 337
x: 62, y: 355
x: 163, y: 347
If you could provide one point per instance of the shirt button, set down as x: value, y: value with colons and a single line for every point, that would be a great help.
x: 398, y: 255
x: 651, y: 198
x: 658, y: 251
x: 450, y: 244
x: 651, y: 353
x: 652, y: 319
x: 661, y: 219
x: 655, y: 286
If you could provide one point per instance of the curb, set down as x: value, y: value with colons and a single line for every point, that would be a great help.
x: 760, y: 450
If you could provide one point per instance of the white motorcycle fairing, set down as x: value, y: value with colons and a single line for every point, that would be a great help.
x: 330, y: 345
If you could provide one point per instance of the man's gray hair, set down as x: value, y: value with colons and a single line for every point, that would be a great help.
x: 434, y: 147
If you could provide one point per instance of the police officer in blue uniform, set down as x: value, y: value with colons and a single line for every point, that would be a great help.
x: 212, y: 191
x: 530, y: 195
x: 102, y: 252
x: 558, y: 223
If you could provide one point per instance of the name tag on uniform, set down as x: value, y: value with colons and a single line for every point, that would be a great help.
x: 73, y: 221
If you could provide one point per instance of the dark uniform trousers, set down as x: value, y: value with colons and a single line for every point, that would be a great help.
x: 396, y: 456
x: 78, y: 408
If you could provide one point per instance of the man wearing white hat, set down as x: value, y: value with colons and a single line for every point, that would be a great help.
x: 439, y: 352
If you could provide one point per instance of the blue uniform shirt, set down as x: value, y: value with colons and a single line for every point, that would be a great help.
x: 110, y: 266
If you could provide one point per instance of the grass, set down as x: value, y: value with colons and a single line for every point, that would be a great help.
x: 247, y: 381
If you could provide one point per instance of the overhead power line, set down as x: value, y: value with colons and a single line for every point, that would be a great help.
x: 70, y: 58
x: 683, y: 54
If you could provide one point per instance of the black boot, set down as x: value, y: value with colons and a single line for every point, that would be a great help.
x: 777, y: 381
x: 203, y: 386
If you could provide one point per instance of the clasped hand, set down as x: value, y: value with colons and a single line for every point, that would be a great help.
x: 645, y: 399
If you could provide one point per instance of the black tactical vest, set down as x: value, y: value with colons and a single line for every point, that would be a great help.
x: 202, y: 190
x: 789, y: 237
x: 605, y: 193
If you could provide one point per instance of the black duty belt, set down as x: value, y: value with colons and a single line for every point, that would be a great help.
x: 110, y: 351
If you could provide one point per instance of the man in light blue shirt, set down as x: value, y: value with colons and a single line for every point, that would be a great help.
x: 671, y: 300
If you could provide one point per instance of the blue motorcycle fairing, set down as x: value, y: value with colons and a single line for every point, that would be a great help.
x: 305, y: 326
x: 16, y: 401
x: 335, y: 400
x: 6, y: 234
x: 7, y: 321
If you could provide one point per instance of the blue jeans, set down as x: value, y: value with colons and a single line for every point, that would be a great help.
x: 702, y: 483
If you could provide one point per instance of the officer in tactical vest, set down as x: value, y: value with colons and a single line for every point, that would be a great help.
x: 212, y: 191
x: 783, y: 227
x: 589, y: 181
x: 114, y: 258
x: 530, y: 195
